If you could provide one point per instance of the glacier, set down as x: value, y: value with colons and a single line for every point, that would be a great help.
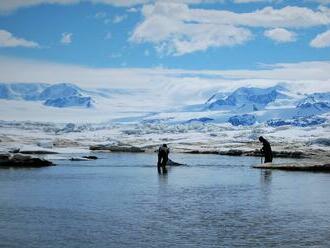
x: 298, y: 121
x: 242, y: 120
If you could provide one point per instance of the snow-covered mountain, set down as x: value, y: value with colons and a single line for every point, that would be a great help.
x: 59, y: 90
x: 245, y: 106
x: 249, y: 99
x: 305, y: 112
x: 65, y: 95
x: 58, y: 95
x: 70, y: 101
x: 216, y: 97
x: 317, y: 103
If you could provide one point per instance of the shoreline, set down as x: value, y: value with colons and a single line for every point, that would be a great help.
x: 45, y: 141
x: 300, y: 161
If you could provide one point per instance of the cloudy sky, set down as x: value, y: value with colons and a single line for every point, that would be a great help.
x: 130, y: 43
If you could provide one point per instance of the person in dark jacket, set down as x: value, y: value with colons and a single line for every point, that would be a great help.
x: 163, y: 152
x: 266, y: 150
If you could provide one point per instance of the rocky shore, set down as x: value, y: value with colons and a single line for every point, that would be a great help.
x: 42, y: 141
x: 255, y: 153
x: 295, y: 167
x: 298, y: 154
x: 242, y: 149
x: 117, y: 148
x: 23, y: 161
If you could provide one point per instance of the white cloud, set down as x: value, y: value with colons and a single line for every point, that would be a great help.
x: 178, y: 29
x: 180, y: 38
x: 7, y: 39
x: 168, y: 87
x: 170, y: 28
x: 280, y: 35
x: 321, y: 40
x: 268, y: 17
x: 66, y: 38
x: 119, y: 18
x: 315, y: 75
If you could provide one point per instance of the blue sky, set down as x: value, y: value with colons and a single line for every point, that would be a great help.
x: 163, y: 53
x: 101, y: 36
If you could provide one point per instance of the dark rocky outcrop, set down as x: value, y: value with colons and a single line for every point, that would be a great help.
x: 254, y: 153
x: 84, y: 158
x: 116, y: 148
x: 232, y: 152
x: 202, y: 152
x: 14, y: 150
x: 32, y: 152
x: 79, y: 159
x: 278, y: 154
x: 91, y: 157
x: 22, y: 161
x: 38, y: 152
x: 295, y: 167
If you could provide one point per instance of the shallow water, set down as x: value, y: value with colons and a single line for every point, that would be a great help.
x: 121, y: 201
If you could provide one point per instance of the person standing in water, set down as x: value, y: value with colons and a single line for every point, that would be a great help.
x: 163, y: 152
x: 266, y: 150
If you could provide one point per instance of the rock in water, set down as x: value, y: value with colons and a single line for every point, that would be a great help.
x: 91, y: 157
x: 79, y: 159
x: 84, y: 158
x: 22, y: 161
x: 116, y: 148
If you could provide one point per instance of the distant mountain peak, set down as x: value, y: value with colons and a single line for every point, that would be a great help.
x: 250, y: 97
x: 60, y: 90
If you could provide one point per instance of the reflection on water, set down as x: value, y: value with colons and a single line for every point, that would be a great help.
x: 266, y: 176
x: 163, y: 179
x: 121, y: 201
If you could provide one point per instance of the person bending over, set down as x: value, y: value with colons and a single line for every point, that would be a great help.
x: 266, y: 150
x: 163, y: 152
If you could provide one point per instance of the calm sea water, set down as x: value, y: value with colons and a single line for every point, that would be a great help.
x: 121, y: 201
